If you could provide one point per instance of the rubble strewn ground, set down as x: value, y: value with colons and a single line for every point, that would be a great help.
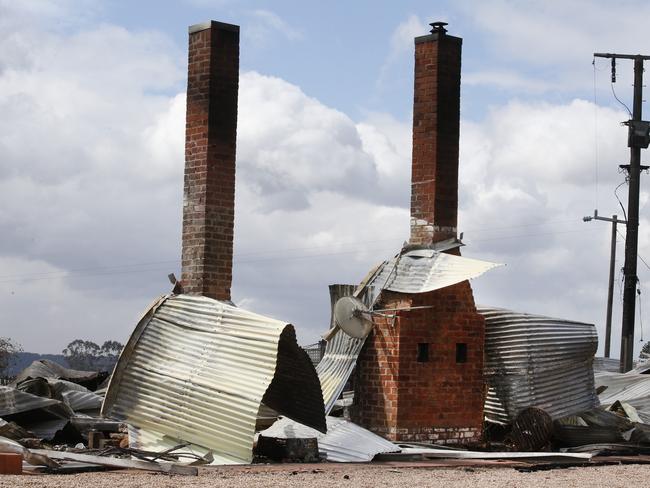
x: 357, y: 476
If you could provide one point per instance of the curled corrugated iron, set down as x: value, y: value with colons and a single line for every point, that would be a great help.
x: 423, y: 270
x: 198, y: 370
x: 537, y: 361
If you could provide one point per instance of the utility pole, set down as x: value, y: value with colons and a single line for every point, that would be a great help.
x: 612, y: 267
x: 638, y: 137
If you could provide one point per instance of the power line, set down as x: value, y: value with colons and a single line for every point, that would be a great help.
x: 619, y: 101
x: 596, y: 155
x: 619, y: 200
x: 265, y: 255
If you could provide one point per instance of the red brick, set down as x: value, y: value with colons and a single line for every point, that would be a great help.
x: 11, y: 463
x: 210, y: 146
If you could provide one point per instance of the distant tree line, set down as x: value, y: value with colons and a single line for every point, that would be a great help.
x: 89, y: 356
x: 79, y: 354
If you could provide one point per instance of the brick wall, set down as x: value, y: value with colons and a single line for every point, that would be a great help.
x: 438, y: 400
x: 436, y: 128
x: 210, y: 143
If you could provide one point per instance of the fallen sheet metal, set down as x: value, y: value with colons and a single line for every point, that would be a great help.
x: 424, y: 270
x: 44, y: 368
x: 344, y: 442
x: 13, y: 402
x: 197, y: 370
x: 537, y: 361
x: 631, y: 388
x: 120, y: 463
x: 77, y: 397
x: 341, y: 352
x: 435, y: 453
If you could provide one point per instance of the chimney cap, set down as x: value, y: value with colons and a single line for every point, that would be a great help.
x: 212, y: 23
x: 438, y: 28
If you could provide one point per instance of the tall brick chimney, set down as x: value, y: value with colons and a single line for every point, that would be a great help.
x: 419, y: 376
x: 210, y: 143
x: 436, y: 129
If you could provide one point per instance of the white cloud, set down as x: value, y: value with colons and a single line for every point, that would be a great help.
x: 401, y: 46
x: 556, y: 39
x: 264, y: 25
x: 509, y: 80
x: 44, y: 313
x: 91, y: 164
x: 559, y: 32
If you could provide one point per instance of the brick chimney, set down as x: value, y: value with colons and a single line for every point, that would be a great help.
x: 210, y: 143
x: 436, y: 123
x: 419, y: 376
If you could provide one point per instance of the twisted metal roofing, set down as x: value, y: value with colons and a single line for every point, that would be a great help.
x: 532, y: 360
x: 341, y: 353
x: 344, y: 442
x: 197, y: 370
x: 632, y: 388
x: 14, y: 401
x: 423, y: 270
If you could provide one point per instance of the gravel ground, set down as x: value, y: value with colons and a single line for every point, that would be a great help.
x: 347, y: 476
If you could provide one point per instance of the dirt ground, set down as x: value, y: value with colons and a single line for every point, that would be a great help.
x: 347, y: 476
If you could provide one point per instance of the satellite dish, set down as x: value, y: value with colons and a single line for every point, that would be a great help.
x: 351, y: 315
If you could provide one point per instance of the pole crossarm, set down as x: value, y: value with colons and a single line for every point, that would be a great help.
x: 621, y: 56
x: 595, y: 216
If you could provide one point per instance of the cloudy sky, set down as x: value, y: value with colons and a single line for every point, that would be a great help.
x: 91, y: 154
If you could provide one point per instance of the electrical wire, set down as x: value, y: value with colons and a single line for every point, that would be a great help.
x: 248, y: 257
x: 637, y: 254
x: 619, y: 101
x: 619, y: 200
x: 596, y: 154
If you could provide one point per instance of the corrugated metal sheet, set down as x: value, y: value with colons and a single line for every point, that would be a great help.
x: 77, y: 397
x: 335, y: 368
x: 607, y: 364
x: 537, y: 361
x: 44, y: 368
x: 435, y: 453
x: 81, y: 401
x: 341, y: 353
x: 197, y: 370
x: 632, y: 388
x: 425, y: 270
x: 14, y: 401
x: 344, y: 442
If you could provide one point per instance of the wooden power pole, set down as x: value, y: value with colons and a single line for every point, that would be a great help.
x: 612, y: 270
x: 638, y: 138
